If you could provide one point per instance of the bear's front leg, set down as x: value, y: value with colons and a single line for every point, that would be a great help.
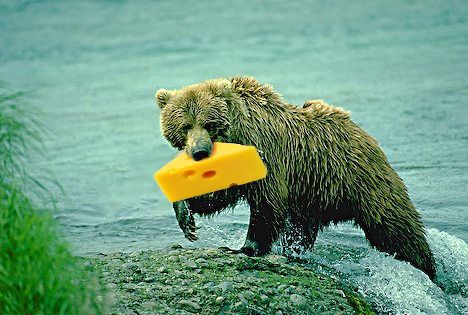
x: 301, y: 232
x: 203, y: 205
x: 268, y: 201
x: 266, y: 223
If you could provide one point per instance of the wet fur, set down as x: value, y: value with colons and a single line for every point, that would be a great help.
x: 322, y: 168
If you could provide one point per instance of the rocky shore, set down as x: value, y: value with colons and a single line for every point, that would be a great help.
x: 209, y: 281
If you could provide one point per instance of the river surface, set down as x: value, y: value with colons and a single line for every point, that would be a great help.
x: 92, y: 67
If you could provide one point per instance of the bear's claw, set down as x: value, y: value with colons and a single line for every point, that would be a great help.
x: 186, y: 220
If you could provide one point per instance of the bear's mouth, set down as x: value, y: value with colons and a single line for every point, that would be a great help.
x: 186, y: 220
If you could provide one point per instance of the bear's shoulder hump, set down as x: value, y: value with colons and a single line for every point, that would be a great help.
x: 320, y: 108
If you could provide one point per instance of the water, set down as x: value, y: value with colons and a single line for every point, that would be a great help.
x: 400, y: 66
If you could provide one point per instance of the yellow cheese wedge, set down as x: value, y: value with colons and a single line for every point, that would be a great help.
x: 229, y: 165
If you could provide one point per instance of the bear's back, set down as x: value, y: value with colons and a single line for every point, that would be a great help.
x: 318, y: 108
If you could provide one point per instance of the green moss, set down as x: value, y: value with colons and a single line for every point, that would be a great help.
x: 358, y: 304
x: 209, y: 281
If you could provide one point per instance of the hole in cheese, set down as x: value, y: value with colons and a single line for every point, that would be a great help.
x: 209, y: 174
x: 189, y: 174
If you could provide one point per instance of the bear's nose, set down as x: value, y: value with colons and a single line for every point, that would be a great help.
x: 199, y: 144
x: 200, y: 154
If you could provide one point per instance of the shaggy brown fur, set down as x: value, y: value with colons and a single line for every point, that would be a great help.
x: 322, y: 167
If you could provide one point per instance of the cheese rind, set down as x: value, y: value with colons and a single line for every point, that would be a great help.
x: 230, y: 164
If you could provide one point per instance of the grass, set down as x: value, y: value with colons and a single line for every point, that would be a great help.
x: 38, y: 273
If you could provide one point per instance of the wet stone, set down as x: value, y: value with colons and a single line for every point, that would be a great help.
x: 248, y: 294
x: 172, y: 286
x: 298, y: 300
x: 189, y: 305
x: 130, y: 287
x: 149, y: 305
x: 242, y: 298
x: 209, y: 286
x: 132, y: 267
x: 149, y: 290
x: 341, y: 293
x: 128, y: 279
x: 277, y: 259
x: 201, y: 261
x: 225, y: 286
x: 190, y: 264
x: 289, y: 290
x: 111, y: 286
x: 88, y: 264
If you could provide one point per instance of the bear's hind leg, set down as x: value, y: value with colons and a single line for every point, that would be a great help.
x: 394, y: 230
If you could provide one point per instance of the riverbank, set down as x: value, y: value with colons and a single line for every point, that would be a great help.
x: 208, y: 281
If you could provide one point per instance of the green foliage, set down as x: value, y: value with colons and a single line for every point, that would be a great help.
x: 38, y: 273
x: 18, y: 135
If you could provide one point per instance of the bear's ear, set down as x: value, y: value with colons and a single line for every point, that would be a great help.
x: 162, y: 97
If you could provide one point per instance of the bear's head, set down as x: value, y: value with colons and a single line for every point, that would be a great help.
x: 194, y: 117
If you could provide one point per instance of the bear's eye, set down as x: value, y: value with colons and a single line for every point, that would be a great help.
x: 185, y: 129
x: 211, y: 128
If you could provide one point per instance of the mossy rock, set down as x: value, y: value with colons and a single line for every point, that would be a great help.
x: 209, y: 281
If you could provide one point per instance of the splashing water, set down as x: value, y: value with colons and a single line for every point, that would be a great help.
x: 397, y: 287
x: 451, y: 257
x: 392, y: 286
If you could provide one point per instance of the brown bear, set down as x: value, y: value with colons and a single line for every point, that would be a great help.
x: 322, y: 168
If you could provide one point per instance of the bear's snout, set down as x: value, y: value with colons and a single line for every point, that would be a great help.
x: 199, y: 145
x: 200, y: 154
